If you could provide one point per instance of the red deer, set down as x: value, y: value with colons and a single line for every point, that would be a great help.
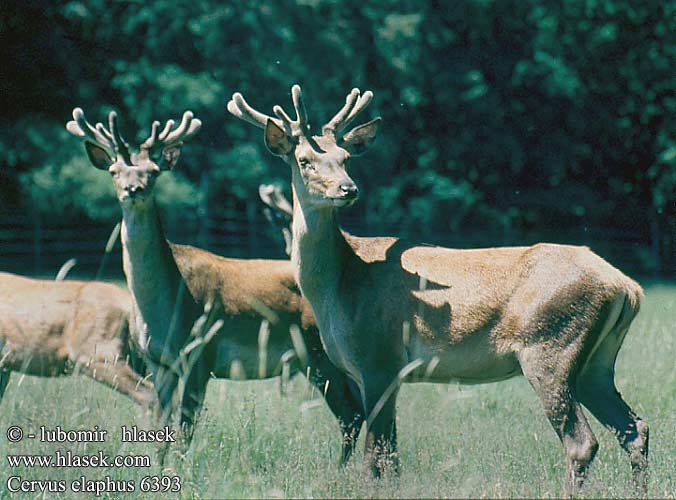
x: 556, y: 314
x: 172, y: 286
x: 53, y: 328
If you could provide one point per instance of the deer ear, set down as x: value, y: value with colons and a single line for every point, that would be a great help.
x: 276, y: 140
x: 98, y: 156
x: 358, y: 140
x: 169, y: 157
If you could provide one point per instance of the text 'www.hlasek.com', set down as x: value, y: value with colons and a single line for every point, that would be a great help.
x: 88, y: 461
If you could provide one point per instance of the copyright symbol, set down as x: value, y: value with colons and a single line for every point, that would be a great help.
x: 14, y: 434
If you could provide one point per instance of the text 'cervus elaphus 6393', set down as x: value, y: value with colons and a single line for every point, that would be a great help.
x: 556, y: 314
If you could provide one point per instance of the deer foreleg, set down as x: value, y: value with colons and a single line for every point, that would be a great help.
x: 381, y: 438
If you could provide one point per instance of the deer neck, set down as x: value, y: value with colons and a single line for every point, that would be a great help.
x: 319, y: 252
x: 152, y: 275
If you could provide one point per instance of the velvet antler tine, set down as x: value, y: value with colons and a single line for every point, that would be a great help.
x: 178, y: 132
x: 121, y: 145
x: 150, y: 141
x: 299, y: 105
x: 359, y: 106
x: 194, y: 127
x: 170, y: 136
x: 241, y: 109
x: 354, y: 104
x: 281, y: 114
x: 285, y: 119
x: 165, y: 131
x: 98, y: 134
x: 335, y: 124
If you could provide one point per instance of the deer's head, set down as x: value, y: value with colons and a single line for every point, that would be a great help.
x: 318, y: 162
x: 133, y: 173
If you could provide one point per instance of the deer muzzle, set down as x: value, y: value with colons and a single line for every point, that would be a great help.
x: 345, y: 194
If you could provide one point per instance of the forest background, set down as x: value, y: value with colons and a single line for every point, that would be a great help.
x: 504, y: 122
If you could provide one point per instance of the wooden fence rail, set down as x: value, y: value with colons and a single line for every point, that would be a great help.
x: 31, y: 246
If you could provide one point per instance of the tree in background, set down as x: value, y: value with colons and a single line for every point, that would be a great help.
x: 504, y: 121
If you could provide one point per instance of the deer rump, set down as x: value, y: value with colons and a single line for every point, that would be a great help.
x: 48, y: 327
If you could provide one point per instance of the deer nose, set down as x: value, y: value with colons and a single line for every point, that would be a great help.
x: 132, y: 189
x: 349, y: 189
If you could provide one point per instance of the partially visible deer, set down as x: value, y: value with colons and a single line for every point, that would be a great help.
x: 556, y: 314
x: 52, y: 328
x: 278, y: 211
x: 172, y: 285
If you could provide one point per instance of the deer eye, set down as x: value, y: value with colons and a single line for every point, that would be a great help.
x: 306, y: 164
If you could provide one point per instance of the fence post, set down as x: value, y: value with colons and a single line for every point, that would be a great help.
x: 37, y: 240
x: 250, y: 233
x: 670, y: 256
x: 203, y: 235
x: 655, y: 241
x: 229, y: 226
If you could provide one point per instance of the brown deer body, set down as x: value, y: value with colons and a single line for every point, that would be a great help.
x: 50, y: 328
x: 172, y: 286
x: 556, y: 314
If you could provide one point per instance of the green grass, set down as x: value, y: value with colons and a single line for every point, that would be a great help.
x: 455, y: 441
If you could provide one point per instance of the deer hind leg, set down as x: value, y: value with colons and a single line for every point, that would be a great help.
x: 192, y: 400
x: 120, y: 377
x: 596, y: 386
x: 165, y: 382
x: 342, y: 396
x: 564, y: 412
x: 4, y: 374
x: 381, y: 427
x: 4, y: 380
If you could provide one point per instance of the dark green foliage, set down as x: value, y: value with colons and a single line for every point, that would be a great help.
x: 503, y: 121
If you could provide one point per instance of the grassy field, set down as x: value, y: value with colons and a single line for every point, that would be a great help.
x: 455, y: 441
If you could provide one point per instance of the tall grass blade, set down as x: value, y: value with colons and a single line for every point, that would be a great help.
x: 394, y: 385
x: 65, y: 269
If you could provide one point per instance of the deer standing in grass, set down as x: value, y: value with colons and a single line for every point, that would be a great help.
x: 556, y: 314
x: 172, y: 286
x: 53, y: 328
